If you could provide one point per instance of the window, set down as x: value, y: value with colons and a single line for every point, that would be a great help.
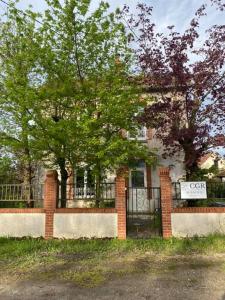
x: 141, y: 134
x: 85, y: 183
x: 138, y: 174
x: 137, y: 178
x: 84, y: 178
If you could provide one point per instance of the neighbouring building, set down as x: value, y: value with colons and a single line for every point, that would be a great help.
x: 210, y: 160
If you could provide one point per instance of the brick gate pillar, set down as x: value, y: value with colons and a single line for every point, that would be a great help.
x: 166, y: 201
x: 121, y: 203
x: 50, y: 200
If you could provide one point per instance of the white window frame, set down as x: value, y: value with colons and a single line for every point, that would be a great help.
x: 138, y: 137
x: 85, y: 188
x: 142, y: 169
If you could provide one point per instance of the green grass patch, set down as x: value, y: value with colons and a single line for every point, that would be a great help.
x: 89, y: 263
x: 85, y: 278
x: 12, y: 248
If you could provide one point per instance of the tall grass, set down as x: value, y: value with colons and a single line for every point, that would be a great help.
x: 12, y: 248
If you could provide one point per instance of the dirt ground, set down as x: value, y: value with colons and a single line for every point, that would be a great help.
x: 136, y: 276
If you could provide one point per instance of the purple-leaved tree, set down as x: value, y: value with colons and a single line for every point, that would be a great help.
x: 189, y: 80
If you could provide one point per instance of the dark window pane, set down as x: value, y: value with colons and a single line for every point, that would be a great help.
x: 137, y: 179
x: 138, y: 164
x: 79, y: 178
x: 90, y: 179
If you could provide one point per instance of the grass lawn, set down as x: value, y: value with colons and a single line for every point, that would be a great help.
x: 89, y: 263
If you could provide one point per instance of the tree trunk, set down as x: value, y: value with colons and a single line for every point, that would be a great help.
x: 191, y: 157
x: 191, y: 170
x: 98, y: 190
x: 27, y: 180
x: 98, y: 186
x: 64, y: 177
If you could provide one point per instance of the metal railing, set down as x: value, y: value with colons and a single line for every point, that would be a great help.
x: 87, y: 196
x: 21, y: 195
x: 143, y: 212
x: 215, y: 195
x: 143, y: 199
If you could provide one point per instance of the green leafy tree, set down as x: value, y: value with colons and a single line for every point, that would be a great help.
x: 75, y: 94
x: 18, y: 53
x: 9, y: 169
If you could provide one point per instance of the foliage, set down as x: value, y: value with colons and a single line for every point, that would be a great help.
x: 66, y: 94
x: 8, y: 170
x: 18, y: 54
x: 188, y: 82
x: 204, y: 174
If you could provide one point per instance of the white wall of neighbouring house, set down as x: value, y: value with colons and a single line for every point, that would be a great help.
x: 174, y: 163
x: 209, y: 160
x: 197, y: 224
x: 22, y: 224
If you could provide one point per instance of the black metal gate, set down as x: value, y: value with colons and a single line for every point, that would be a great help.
x: 143, y: 212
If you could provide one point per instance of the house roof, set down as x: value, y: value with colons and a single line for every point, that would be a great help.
x: 221, y: 174
x: 204, y: 158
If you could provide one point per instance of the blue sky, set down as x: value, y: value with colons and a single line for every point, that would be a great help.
x: 166, y: 12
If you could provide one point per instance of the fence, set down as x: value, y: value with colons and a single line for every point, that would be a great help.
x: 69, y: 222
x: 21, y: 195
x: 92, y: 196
x: 89, y: 222
x: 143, y: 200
x: 31, y: 210
x: 143, y: 212
x: 198, y: 217
x: 215, y: 196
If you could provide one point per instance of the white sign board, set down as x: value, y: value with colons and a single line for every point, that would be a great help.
x: 193, y: 190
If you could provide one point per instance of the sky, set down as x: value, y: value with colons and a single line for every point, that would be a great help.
x: 165, y: 13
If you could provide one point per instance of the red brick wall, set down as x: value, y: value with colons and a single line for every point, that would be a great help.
x: 121, y: 204
x: 21, y: 210
x: 85, y: 210
x: 166, y: 201
x: 50, y: 198
x: 199, y: 210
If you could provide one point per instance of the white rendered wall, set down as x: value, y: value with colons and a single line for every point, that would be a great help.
x: 175, y: 163
x: 200, y: 224
x: 22, y: 224
x: 89, y: 225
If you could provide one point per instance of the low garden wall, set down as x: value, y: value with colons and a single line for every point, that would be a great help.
x: 51, y: 222
x: 188, y: 221
x: 85, y: 223
x: 67, y: 223
x: 198, y: 221
x: 22, y: 222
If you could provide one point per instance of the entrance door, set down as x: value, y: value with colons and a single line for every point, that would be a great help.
x: 143, y: 206
x: 138, y: 196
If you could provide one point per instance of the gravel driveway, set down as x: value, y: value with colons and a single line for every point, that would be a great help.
x: 141, y: 276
